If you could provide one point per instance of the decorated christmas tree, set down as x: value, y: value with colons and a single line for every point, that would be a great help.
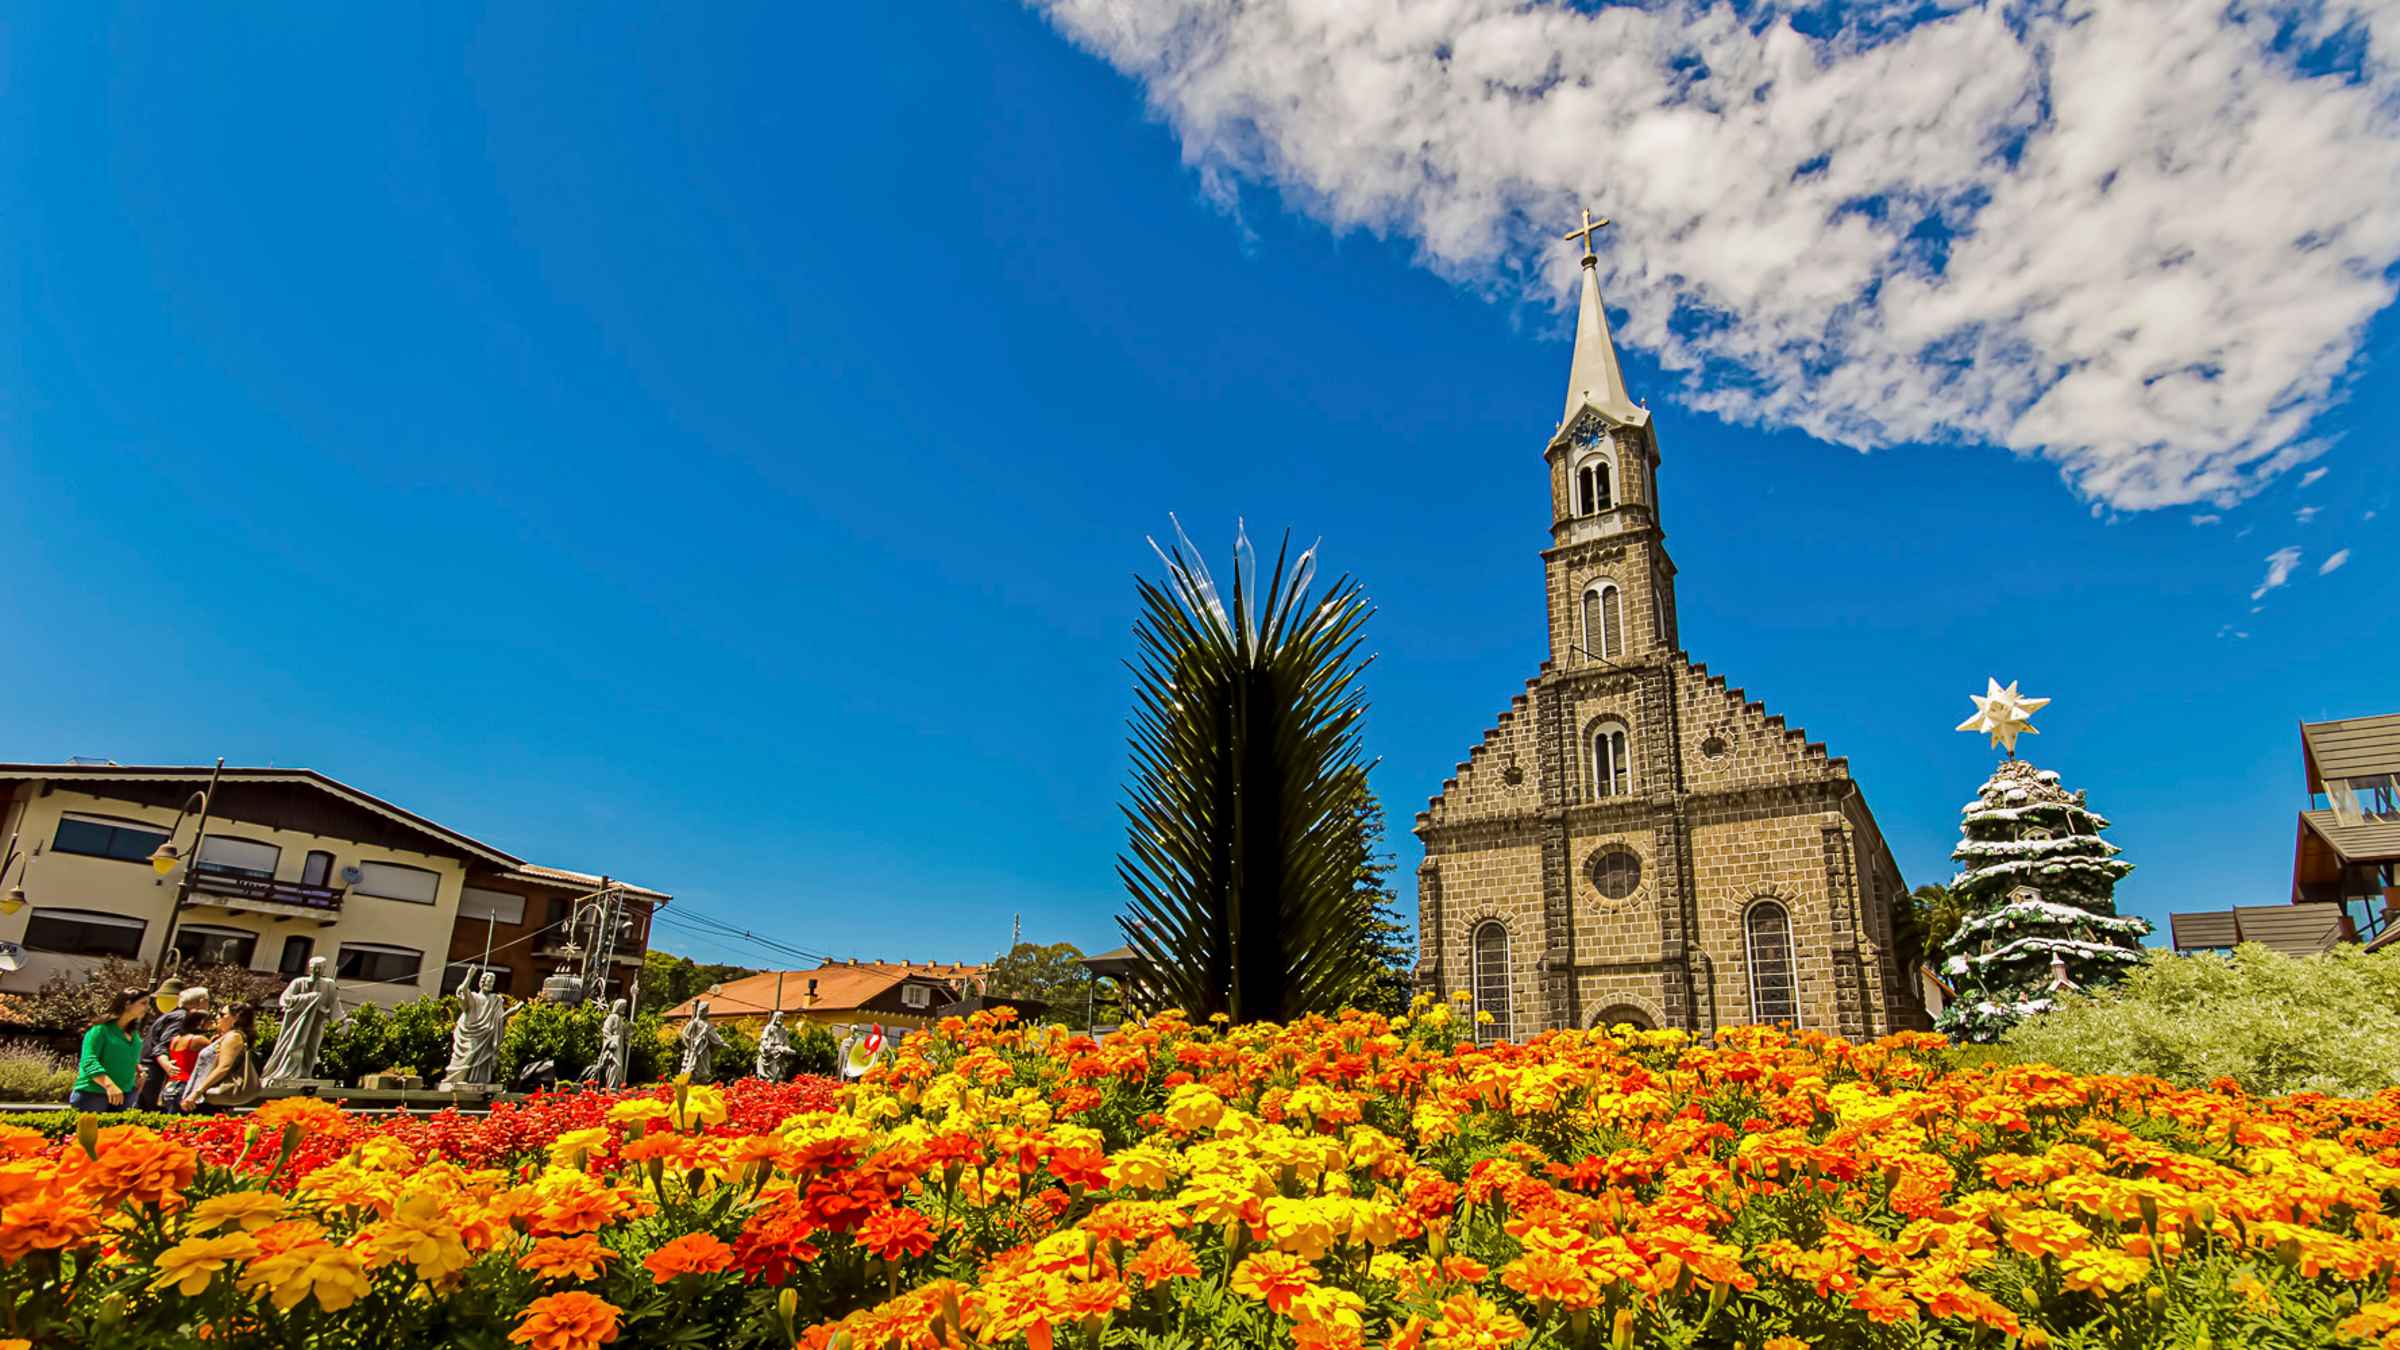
x: 2037, y: 888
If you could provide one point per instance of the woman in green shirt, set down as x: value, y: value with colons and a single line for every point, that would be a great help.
x: 112, y: 1056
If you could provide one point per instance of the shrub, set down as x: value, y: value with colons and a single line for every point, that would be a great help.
x: 814, y: 1050
x: 30, y: 1073
x: 2272, y: 1023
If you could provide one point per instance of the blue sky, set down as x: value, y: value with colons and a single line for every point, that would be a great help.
x: 715, y: 449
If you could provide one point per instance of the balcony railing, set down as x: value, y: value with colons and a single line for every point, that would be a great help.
x: 237, y: 887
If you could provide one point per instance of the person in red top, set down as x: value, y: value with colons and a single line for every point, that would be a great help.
x: 182, y: 1052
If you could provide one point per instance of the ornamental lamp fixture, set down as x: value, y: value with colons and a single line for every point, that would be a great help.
x: 13, y: 901
x: 164, y: 857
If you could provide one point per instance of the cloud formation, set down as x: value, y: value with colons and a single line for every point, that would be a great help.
x: 2306, y: 514
x: 2279, y: 570
x: 2310, y: 478
x: 2141, y: 238
x: 2334, y: 563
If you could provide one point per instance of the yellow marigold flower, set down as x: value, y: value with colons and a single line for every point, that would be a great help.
x: 2102, y: 1270
x: 1192, y: 1108
x: 638, y: 1108
x: 249, y: 1210
x: 419, y: 1234
x: 1273, y: 1278
x: 193, y: 1264
x: 1325, y: 1306
x: 697, y: 1105
x: 1143, y: 1167
x: 1306, y: 1227
x: 2039, y: 1232
x: 570, y: 1149
x: 1216, y: 1199
x: 334, y: 1275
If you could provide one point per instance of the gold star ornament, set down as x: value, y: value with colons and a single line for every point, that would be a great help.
x: 2004, y: 713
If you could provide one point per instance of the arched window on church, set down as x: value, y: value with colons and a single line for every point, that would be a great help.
x: 1774, y: 985
x: 1603, y: 620
x: 1591, y: 488
x: 1612, y: 767
x: 1658, y: 612
x: 1491, y: 980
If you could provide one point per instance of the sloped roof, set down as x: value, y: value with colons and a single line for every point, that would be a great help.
x: 2367, y: 841
x: 198, y: 776
x: 561, y: 877
x: 2352, y: 747
x: 841, y: 985
x: 2294, y: 930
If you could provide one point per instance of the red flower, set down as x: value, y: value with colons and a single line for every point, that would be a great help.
x: 895, y: 1233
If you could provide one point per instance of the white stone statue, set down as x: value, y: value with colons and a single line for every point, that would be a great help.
x: 700, y: 1043
x: 311, y: 1004
x: 774, y: 1049
x: 609, y: 1070
x: 475, y: 1041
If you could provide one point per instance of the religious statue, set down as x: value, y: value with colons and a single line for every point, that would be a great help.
x: 774, y: 1049
x: 609, y: 1070
x: 475, y: 1041
x: 311, y: 1004
x: 700, y: 1042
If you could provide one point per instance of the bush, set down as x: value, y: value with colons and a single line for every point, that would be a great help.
x: 814, y: 1051
x: 30, y: 1073
x: 73, y: 1000
x: 2272, y: 1023
x: 412, y: 1038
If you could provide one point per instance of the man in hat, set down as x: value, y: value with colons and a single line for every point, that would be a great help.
x: 189, y: 1011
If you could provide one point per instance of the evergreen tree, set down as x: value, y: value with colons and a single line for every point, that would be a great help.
x: 1389, y: 940
x: 2037, y: 899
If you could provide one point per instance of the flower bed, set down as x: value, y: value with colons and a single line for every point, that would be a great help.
x: 1336, y: 1183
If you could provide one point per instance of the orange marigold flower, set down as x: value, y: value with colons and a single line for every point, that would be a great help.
x: 691, y: 1254
x: 567, y: 1258
x: 1548, y: 1275
x: 1167, y: 1258
x: 895, y: 1233
x: 571, y: 1321
x: 47, y: 1220
x: 1274, y: 1278
x: 134, y: 1165
x: 1469, y: 1321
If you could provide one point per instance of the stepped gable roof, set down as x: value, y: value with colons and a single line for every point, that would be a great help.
x: 2351, y: 747
x: 841, y: 986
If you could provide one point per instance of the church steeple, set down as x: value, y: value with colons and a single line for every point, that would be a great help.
x: 1596, y: 380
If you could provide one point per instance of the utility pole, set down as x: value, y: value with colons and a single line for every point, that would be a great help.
x: 1016, y: 931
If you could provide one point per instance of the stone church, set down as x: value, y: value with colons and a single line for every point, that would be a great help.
x: 1635, y: 841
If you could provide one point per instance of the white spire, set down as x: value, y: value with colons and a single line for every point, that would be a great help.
x: 1596, y: 380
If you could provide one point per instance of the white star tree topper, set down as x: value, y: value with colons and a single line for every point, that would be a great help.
x: 2004, y: 713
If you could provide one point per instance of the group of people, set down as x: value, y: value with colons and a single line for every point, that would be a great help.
x: 167, y: 1051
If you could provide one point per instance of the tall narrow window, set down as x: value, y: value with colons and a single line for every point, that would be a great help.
x: 317, y: 868
x: 1591, y: 488
x: 1612, y: 769
x: 1603, y: 620
x: 296, y: 951
x: 1491, y: 981
x: 1658, y: 612
x: 1774, y: 990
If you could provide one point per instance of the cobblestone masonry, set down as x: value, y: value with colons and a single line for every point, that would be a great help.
x: 1727, y: 808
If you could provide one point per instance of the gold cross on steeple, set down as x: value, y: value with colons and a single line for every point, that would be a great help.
x: 1590, y: 227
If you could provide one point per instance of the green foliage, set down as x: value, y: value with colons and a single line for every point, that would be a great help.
x: 1241, y: 862
x: 569, y: 1037
x: 2272, y: 1023
x: 814, y: 1050
x: 1055, y: 977
x: 72, y: 1000
x: 61, y: 1124
x: 1923, y: 923
x: 413, y: 1037
x: 668, y: 979
x: 30, y: 1073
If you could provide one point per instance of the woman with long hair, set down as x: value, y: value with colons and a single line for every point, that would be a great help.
x: 224, y: 1074
x: 107, y: 1073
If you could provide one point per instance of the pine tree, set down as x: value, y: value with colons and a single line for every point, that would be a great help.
x: 2037, y: 892
x: 1391, y: 942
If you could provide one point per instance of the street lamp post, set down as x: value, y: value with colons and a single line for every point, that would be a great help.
x: 14, y: 900
x: 164, y: 858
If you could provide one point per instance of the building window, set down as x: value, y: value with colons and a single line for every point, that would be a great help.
x: 317, y: 868
x: 296, y: 951
x: 239, y: 857
x: 397, y: 881
x: 1658, y: 613
x: 915, y: 996
x: 489, y: 906
x: 1491, y: 981
x: 378, y: 964
x: 84, y: 932
x: 203, y: 945
x: 457, y: 973
x: 1603, y: 620
x: 103, y: 837
x: 1774, y: 988
x: 1591, y: 488
x: 2356, y: 801
x: 1612, y: 767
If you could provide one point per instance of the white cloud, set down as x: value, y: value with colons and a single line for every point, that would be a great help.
x: 2309, y: 479
x: 2210, y: 518
x: 2229, y: 631
x: 2279, y: 570
x: 2306, y: 514
x: 2368, y: 516
x: 2334, y: 563
x: 2129, y: 236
